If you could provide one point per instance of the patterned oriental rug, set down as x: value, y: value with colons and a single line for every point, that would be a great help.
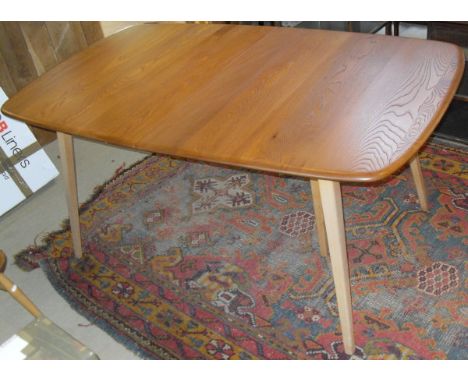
x: 186, y: 260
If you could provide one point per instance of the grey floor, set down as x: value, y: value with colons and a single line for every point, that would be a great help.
x: 43, y: 213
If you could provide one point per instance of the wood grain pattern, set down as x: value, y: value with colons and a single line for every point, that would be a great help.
x: 92, y: 31
x: 405, y: 116
x: 6, y: 82
x: 39, y: 45
x: 67, y: 38
x: 14, y: 50
x: 330, y: 105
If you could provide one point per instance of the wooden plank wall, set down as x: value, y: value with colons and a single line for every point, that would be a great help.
x: 30, y: 48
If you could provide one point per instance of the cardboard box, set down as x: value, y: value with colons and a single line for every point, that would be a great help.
x: 24, y: 165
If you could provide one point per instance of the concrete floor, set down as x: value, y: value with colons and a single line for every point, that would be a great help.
x: 43, y: 213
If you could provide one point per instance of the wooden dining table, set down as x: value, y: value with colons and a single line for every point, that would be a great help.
x: 329, y: 106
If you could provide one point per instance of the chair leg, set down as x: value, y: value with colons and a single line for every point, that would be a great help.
x: 388, y: 28
x: 333, y: 212
x: 418, y: 179
x: 2, y: 261
x: 18, y: 295
x: 319, y: 220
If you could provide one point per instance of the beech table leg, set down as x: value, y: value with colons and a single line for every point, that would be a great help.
x: 333, y: 213
x: 67, y: 156
x: 415, y: 166
x: 319, y: 221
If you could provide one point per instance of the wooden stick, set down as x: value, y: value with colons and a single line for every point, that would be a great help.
x: 319, y: 220
x: 333, y: 213
x: 415, y: 166
x: 65, y: 142
x: 19, y: 296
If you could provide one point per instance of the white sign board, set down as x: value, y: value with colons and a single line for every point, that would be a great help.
x: 24, y: 165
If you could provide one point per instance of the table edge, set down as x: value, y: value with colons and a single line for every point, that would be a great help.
x: 360, y: 177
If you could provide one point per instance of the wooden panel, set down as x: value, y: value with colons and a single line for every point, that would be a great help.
x: 18, y: 66
x: 39, y: 45
x: 6, y: 81
x: 454, y: 32
x: 14, y: 50
x: 43, y: 136
x: 28, y: 51
x: 315, y: 103
x: 92, y: 31
x: 67, y: 38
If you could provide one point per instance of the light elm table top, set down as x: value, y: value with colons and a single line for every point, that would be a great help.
x: 321, y: 104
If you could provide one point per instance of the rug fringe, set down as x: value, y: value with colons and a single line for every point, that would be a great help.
x: 28, y: 259
x: 100, y: 323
